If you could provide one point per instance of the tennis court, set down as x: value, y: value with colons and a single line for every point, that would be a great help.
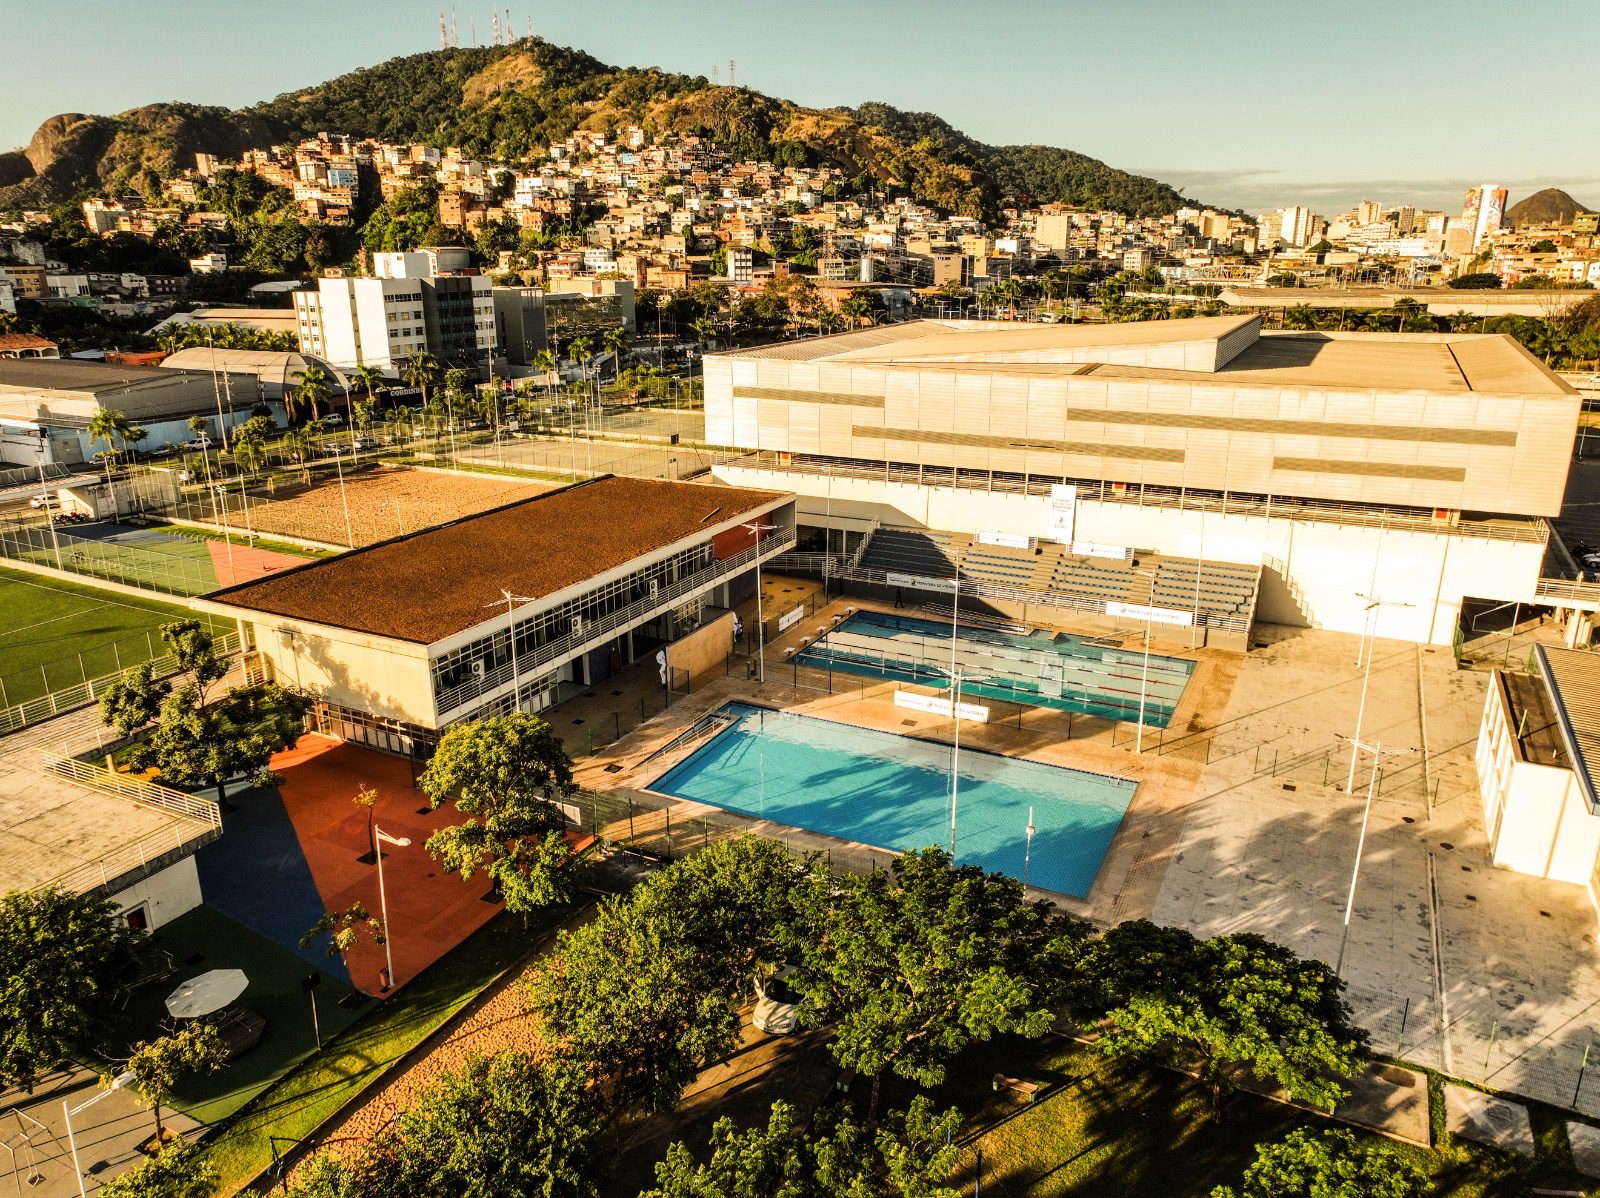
x: 54, y: 635
x: 141, y: 557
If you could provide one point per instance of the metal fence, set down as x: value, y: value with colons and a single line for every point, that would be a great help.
x: 88, y: 690
x: 166, y: 568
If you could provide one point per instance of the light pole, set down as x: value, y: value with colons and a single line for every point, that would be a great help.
x: 221, y: 514
x: 955, y: 758
x: 400, y: 842
x: 1027, y: 852
x: 511, y: 632
x: 1144, y: 678
x: 67, y: 1112
x: 1370, y: 651
x: 1377, y: 751
x: 344, y: 501
x: 761, y: 625
x: 50, y: 506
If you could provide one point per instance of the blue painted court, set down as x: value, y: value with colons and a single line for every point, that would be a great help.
x: 1041, y: 669
x: 893, y: 792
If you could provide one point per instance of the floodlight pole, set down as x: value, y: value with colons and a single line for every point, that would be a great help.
x: 67, y: 1111
x: 222, y: 513
x: 383, y: 903
x: 344, y: 500
x: 1366, y: 675
x: 955, y: 759
x: 1144, y: 678
x: 1377, y: 751
x: 511, y: 633
x: 49, y: 505
x: 761, y: 623
x: 1027, y: 852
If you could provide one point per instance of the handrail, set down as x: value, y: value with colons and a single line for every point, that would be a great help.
x: 135, y: 790
x: 135, y: 854
x: 448, y: 700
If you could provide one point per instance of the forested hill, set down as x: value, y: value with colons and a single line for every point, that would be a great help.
x: 511, y: 101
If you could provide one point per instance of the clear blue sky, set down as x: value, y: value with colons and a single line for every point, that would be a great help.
x: 1240, y: 102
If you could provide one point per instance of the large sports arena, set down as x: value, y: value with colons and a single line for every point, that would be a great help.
x: 1196, y: 473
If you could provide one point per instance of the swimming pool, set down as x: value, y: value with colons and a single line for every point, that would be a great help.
x: 1046, y: 669
x: 893, y: 792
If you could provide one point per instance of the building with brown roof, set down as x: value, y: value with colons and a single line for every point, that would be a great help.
x: 399, y: 639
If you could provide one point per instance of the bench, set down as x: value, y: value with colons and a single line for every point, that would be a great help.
x: 1028, y: 1090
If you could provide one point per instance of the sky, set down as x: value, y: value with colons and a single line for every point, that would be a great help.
x: 1242, y: 103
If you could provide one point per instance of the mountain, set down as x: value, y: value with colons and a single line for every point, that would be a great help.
x: 1552, y: 206
x: 511, y: 101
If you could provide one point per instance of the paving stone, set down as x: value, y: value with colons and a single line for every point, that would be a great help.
x: 1585, y: 1141
x: 1485, y: 1119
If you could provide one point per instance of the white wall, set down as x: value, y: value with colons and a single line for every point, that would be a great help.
x: 1314, y: 572
x: 166, y: 895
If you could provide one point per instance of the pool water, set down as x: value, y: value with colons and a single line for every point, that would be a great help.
x: 893, y: 792
x: 1045, y: 669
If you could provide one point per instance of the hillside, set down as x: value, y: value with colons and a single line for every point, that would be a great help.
x: 510, y: 101
x: 1552, y: 206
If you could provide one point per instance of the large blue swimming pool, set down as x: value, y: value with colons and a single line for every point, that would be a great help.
x: 893, y: 792
x: 1045, y: 669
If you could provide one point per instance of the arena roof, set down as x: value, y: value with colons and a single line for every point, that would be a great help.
x: 1144, y: 350
x: 432, y: 584
x: 282, y: 369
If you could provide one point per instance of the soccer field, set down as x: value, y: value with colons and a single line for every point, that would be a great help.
x: 54, y: 634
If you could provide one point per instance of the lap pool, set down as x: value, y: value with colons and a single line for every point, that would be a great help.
x: 893, y: 792
x: 1043, y: 669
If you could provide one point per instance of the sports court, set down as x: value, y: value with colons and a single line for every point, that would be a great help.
x: 289, y: 854
x: 55, y: 634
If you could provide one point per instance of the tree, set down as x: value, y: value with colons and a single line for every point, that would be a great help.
x: 313, y: 389
x: 911, y: 1155
x: 63, y: 958
x: 1220, y: 1006
x: 106, y: 425
x: 191, y: 737
x: 1332, y: 1164
x: 369, y: 380
x: 1478, y: 281
x: 421, y: 370
x: 913, y: 966
x: 345, y: 927
x: 157, y: 1064
x: 176, y: 1171
x: 505, y: 774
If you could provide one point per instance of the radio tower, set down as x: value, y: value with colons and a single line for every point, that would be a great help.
x: 732, y: 78
x: 444, y: 35
x: 455, y: 34
x: 505, y: 28
x: 713, y: 76
x: 494, y: 24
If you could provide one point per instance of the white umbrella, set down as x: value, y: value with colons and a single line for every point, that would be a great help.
x: 207, y: 993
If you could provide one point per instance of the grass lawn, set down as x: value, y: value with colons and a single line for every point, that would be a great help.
x: 48, y: 623
x: 1104, y: 1127
x: 267, y: 543
x: 205, y: 939
x: 294, y: 1107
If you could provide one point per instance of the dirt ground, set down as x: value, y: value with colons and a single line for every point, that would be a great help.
x: 383, y: 503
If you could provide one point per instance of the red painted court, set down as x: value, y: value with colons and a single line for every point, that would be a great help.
x: 248, y: 564
x: 430, y: 911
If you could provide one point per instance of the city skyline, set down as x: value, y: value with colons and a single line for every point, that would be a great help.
x: 1430, y: 155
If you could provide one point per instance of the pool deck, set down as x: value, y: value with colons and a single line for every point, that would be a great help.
x: 1166, y: 772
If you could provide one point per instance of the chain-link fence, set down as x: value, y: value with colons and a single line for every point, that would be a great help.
x: 169, y: 565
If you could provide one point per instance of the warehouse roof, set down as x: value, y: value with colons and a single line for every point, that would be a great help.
x: 1573, y: 679
x: 433, y: 584
x: 71, y: 374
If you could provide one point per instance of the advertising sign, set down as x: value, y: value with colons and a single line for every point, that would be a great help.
x: 1009, y: 540
x: 790, y: 618
x: 934, y: 705
x: 921, y: 583
x: 1063, y: 512
x: 1156, y: 615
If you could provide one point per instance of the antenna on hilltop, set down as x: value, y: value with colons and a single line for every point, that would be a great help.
x: 732, y: 78
x: 455, y: 34
x: 713, y: 76
x: 444, y: 35
x: 506, y: 27
x: 530, y: 29
x: 494, y: 23
x: 472, y: 30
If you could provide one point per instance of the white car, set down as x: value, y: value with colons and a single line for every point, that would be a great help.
x: 42, y: 501
x: 777, y: 1010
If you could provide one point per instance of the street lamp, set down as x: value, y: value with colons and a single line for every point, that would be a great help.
x: 1370, y: 651
x: 511, y: 632
x: 761, y: 624
x: 117, y: 1083
x: 1144, y: 677
x: 220, y: 514
x: 400, y: 842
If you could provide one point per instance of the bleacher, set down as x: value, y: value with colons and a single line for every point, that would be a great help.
x: 1221, y: 593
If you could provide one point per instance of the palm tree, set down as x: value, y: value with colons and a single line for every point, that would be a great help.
x: 857, y: 309
x: 313, y: 388
x: 422, y: 369
x: 369, y: 380
x: 616, y: 343
x: 107, y: 425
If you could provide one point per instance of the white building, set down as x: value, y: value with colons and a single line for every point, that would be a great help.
x: 1415, y: 469
x: 1538, y: 766
x: 362, y: 322
x: 208, y: 264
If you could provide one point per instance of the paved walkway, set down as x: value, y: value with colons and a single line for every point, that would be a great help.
x: 1489, y: 975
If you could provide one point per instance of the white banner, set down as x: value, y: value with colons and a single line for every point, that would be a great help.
x: 1063, y: 512
x: 1096, y: 549
x: 1156, y: 615
x: 921, y: 583
x: 934, y: 705
x: 790, y: 618
x: 1009, y: 540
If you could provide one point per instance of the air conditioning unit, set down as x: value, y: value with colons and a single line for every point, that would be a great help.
x: 477, y: 668
x: 577, y: 625
x: 655, y: 587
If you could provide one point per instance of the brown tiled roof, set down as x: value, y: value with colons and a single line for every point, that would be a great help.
x: 24, y: 341
x: 438, y: 582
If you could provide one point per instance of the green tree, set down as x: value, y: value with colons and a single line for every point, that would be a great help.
x: 107, y: 426
x: 505, y: 774
x: 343, y: 929
x: 1478, y: 281
x: 421, y: 371
x: 1222, y: 1006
x: 157, y: 1065
x: 312, y: 390
x: 192, y: 737
x: 369, y: 380
x: 1329, y: 1164
x: 63, y: 959
x: 910, y: 967
x: 176, y: 1171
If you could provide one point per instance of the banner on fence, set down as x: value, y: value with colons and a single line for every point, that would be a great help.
x: 936, y: 705
x: 790, y: 618
x: 1156, y: 615
x: 1096, y: 549
x: 921, y: 583
x: 1006, y: 540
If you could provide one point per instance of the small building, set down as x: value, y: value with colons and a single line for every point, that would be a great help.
x: 1538, y: 765
x: 26, y: 345
x: 399, y: 640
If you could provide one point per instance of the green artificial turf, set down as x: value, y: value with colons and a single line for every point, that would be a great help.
x: 48, y: 623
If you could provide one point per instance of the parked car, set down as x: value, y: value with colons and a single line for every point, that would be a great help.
x: 777, y: 1010
x: 42, y: 501
x: 334, y: 419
